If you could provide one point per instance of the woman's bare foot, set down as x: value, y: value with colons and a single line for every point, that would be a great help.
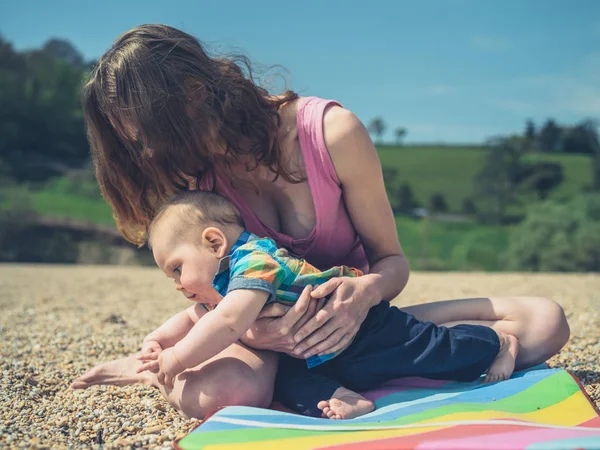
x: 118, y: 372
x: 345, y: 404
x: 504, y: 364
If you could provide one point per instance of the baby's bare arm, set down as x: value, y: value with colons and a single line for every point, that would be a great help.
x: 218, y: 329
x: 177, y: 327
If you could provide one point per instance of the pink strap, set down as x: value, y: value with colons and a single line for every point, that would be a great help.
x: 310, y: 133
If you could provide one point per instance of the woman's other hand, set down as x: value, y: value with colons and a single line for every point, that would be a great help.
x: 333, y: 327
x: 277, y: 324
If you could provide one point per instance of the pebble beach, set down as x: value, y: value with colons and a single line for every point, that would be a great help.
x: 59, y: 321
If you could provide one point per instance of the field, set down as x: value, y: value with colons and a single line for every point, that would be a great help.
x: 429, y: 244
x: 436, y: 245
x: 427, y: 169
x: 59, y: 321
x: 450, y: 171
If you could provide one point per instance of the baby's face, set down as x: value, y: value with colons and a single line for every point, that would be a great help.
x: 191, y: 264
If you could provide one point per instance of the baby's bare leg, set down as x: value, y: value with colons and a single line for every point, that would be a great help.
x: 345, y: 404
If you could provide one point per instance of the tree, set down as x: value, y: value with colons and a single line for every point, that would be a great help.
x: 495, y: 185
x: 400, y: 134
x: 64, y: 51
x: 530, y: 132
x: 560, y: 237
x: 582, y: 138
x: 469, y: 207
x: 405, y: 200
x: 549, y: 137
x: 377, y: 127
x: 596, y: 172
x: 541, y: 177
x: 438, y: 202
x: 41, y: 124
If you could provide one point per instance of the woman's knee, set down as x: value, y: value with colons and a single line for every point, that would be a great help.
x: 551, y: 317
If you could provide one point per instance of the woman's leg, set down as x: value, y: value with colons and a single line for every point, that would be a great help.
x: 539, y: 324
x: 237, y: 376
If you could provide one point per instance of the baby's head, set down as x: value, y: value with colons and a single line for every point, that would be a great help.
x: 188, y: 236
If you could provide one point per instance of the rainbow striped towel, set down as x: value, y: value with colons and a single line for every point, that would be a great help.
x: 539, y: 409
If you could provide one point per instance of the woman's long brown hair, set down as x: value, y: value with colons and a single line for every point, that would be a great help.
x: 155, y: 104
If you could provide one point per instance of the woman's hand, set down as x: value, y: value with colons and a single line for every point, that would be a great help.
x: 277, y: 324
x: 333, y: 327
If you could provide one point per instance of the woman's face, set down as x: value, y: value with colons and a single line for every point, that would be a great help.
x: 215, y: 144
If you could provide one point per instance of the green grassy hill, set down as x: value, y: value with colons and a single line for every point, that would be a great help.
x: 450, y: 170
x: 429, y: 245
x: 54, y: 201
x: 435, y: 245
x: 427, y: 169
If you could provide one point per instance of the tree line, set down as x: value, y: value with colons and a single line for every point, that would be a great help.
x: 377, y: 126
x: 551, y: 137
x: 42, y: 132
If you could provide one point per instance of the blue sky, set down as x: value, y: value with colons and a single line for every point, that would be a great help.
x: 448, y: 71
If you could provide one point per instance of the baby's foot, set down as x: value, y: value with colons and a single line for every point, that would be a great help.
x: 345, y: 404
x: 504, y: 364
x: 118, y: 372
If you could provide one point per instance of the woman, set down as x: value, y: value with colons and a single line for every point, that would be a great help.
x: 162, y: 116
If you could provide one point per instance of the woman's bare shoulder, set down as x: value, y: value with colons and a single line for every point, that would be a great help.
x: 347, y: 141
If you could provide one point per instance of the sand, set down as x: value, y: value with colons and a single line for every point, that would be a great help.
x: 59, y: 321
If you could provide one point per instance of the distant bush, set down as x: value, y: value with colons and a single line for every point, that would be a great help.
x: 81, y: 183
x: 23, y: 240
x: 438, y: 202
x: 404, y: 199
x: 541, y: 177
x: 468, y: 206
x: 558, y: 237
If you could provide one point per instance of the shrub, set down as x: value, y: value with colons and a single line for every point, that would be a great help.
x: 468, y: 206
x: 438, y: 203
x: 404, y: 199
x: 558, y: 237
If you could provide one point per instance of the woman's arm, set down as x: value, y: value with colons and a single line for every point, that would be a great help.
x: 359, y: 171
x: 308, y: 326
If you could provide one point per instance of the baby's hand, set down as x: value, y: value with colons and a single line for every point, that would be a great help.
x: 149, y: 356
x: 169, y: 367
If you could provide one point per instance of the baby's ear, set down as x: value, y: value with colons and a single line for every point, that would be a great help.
x: 215, y: 240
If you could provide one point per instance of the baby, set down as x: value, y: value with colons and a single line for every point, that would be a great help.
x: 198, y: 239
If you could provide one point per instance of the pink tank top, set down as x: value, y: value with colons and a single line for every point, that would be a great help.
x: 333, y: 241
